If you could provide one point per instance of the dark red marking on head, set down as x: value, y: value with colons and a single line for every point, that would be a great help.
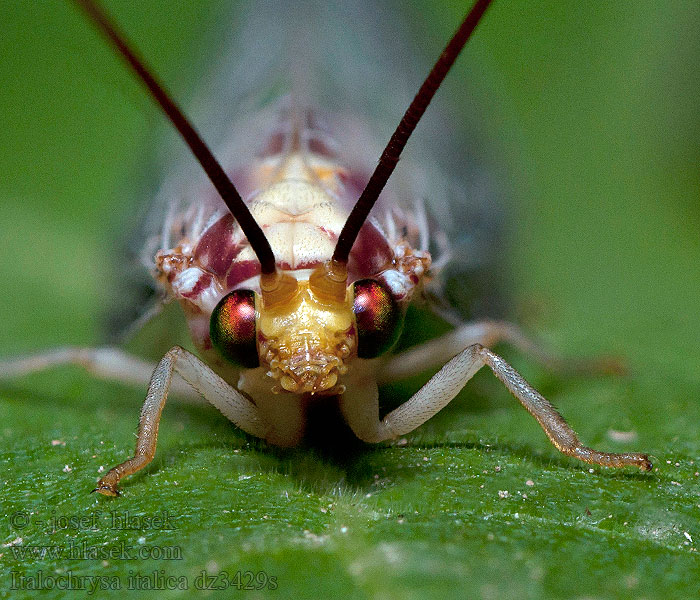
x: 202, y: 284
x: 217, y: 249
x: 370, y: 255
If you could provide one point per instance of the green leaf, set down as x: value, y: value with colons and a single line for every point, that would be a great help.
x: 593, y: 112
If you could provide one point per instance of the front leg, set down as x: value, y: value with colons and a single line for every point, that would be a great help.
x: 361, y: 411
x: 232, y: 404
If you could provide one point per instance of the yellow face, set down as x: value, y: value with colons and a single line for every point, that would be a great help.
x: 305, y: 341
x: 304, y: 333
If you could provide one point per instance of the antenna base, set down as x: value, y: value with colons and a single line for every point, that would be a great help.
x: 277, y: 288
x: 329, y: 281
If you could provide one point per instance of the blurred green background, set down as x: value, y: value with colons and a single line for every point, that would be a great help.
x: 593, y: 108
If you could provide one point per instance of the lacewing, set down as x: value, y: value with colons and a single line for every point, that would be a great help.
x: 296, y: 256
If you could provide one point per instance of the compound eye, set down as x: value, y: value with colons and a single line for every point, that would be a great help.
x: 232, y: 328
x: 379, y: 318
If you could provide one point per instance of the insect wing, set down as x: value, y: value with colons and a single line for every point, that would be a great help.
x: 343, y: 73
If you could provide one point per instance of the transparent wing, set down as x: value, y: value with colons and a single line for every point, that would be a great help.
x: 357, y: 65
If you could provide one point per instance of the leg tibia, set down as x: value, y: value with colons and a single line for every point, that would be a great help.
x: 227, y: 399
x: 445, y: 385
x: 557, y: 429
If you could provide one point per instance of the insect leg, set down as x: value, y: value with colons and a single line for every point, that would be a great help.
x: 445, y: 385
x: 232, y: 404
x: 436, y: 352
x: 105, y: 363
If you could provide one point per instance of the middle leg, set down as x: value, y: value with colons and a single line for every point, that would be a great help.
x: 436, y: 352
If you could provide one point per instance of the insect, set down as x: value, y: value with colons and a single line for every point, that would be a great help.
x: 294, y: 272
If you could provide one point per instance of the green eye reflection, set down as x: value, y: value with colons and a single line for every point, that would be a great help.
x: 379, y: 318
x: 232, y: 328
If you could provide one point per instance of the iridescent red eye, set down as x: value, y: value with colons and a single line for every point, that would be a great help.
x: 232, y: 328
x: 379, y: 318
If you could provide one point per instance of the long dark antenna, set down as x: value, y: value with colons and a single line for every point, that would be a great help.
x: 392, y: 152
x: 218, y: 177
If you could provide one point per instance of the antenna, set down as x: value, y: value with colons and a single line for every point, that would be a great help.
x: 392, y: 152
x: 216, y: 174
